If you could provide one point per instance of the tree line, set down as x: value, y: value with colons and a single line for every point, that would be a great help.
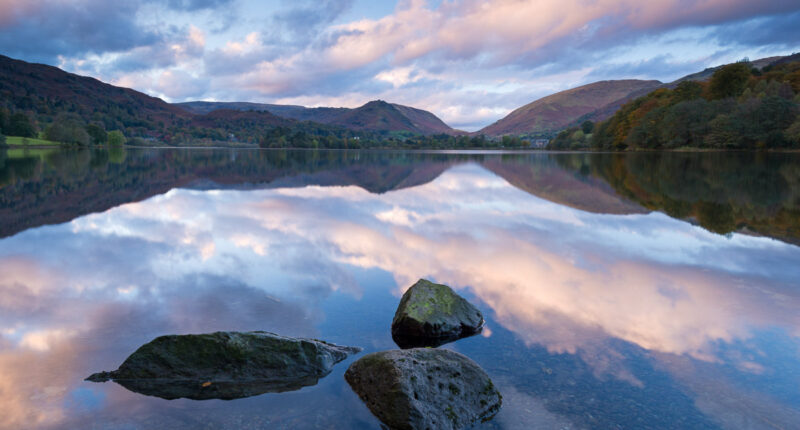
x: 740, y: 107
x: 67, y: 128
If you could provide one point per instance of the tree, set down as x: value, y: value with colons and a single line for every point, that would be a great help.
x: 97, y: 133
x: 722, y: 133
x: 587, y: 127
x: 67, y: 128
x: 21, y: 125
x: 4, y: 118
x: 729, y: 81
x: 793, y: 132
x: 687, y: 90
x: 116, y: 138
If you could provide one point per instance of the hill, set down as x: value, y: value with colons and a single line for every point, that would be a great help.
x: 322, y: 115
x: 759, y: 64
x: 374, y: 116
x: 739, y: 107
x: 48, y: 91
x: 550, y: 114
x: 236, y: 119
x: 379, y: 115
x: 37, y: 98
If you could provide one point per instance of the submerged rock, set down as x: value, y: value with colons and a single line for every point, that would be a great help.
x: 225, y: 365
x: 424, y: 388
x: 433, y: 314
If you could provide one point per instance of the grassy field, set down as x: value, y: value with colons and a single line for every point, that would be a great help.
x: 17, y: 152
x: 22, y: 141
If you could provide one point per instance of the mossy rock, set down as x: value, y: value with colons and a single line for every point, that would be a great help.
x: 424, y: 388
x: 433, y: 314
x: 225, y: 365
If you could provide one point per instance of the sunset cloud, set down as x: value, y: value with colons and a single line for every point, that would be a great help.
x: 468, y: 61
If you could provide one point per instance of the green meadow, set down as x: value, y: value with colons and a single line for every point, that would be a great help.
x: 29, y: 141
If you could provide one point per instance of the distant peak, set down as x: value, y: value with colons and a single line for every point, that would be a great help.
x: 377, y: 102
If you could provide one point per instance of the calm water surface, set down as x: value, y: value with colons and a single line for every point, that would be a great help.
x: 620, y: 291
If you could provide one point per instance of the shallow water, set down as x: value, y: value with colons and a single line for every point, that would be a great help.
x: 620, y: 290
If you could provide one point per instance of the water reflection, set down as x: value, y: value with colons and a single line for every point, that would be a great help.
x: 224, y: 390
x: 598, y: 318
x: 723, y: 192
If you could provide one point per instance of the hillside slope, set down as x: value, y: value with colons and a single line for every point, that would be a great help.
x: 376, y: 116
x: 49, y: 90
x: 555, y: 112
x: 321, y: 115
x: 758, y: 64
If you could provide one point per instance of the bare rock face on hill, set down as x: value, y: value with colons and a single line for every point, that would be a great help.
x: 555, y: 112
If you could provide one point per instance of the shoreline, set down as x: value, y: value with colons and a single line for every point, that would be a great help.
x: 412, y: 150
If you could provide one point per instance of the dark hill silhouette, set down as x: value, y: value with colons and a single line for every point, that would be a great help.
x: 49, y: 90
x: 377, y: 115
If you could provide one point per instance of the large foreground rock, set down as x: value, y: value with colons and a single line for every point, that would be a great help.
x: 225, y: 365
x: 433, y: 314
x: 424, y: 388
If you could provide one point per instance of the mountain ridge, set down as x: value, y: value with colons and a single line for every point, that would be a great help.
x: 375, y: 115
x: 557, y: 111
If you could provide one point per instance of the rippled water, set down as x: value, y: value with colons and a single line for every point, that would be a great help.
x: 620, y: 290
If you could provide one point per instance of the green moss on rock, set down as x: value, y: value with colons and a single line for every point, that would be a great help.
x: 432, y: 314
x: 176, y: 365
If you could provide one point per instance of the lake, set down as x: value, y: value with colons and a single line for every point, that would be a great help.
x: 642, y: 290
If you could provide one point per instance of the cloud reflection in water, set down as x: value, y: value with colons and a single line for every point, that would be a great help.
x: 194, y: 261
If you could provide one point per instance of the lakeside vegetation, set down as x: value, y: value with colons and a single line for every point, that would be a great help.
x: 27, y: 141
x: 740, y: 107
x: 722, y: 192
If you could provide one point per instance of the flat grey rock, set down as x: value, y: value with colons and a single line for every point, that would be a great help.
x: 225, y: 365
x: 424, y: 388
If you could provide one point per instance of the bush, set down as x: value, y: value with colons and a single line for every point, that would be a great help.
x: 116, y: 138
x: 67, y: 128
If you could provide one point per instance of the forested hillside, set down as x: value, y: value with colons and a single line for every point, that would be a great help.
x: 546, y: 116
x: 740, y: 107
x: 40, y: 101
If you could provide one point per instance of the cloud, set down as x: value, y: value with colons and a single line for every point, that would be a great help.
x: 468, y: 61
x: 505, y: 41
x: 304, y: 19
x: 42, y: 30
x: 781, y: 30
x: 193, y: 5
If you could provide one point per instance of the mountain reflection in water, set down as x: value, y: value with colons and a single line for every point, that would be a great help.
x: 599, y: 312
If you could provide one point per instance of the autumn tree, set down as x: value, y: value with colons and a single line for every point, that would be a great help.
x: 729, y: 81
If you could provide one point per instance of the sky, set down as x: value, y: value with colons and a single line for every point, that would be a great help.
x: 470, y: 62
